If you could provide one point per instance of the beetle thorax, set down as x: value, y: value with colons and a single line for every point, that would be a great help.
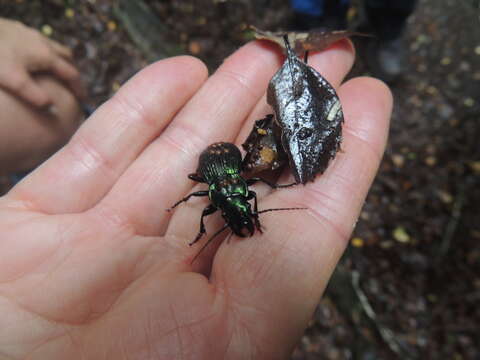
x: 227, y: 186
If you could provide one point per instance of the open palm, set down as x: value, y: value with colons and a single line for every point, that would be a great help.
x: 93, y: 267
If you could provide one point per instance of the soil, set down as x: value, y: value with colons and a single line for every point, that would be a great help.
x: 409, y: 285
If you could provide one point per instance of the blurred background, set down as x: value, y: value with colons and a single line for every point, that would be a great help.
x: 408, y: 286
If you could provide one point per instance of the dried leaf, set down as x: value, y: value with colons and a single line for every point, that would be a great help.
x: 309, y: 113
x: 305, y: 41
x: 401, y: 235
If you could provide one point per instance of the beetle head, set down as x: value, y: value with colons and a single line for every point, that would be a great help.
x: 237, y: 212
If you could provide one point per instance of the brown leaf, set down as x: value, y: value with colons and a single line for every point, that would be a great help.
x: 305, y: 41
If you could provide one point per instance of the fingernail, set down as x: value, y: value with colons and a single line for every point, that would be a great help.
x: 53, y: 110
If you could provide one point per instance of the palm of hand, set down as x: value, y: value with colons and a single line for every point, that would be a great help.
x: 83, y: 270
x: 78, y: 277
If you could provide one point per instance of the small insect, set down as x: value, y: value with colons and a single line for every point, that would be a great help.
x: 220, y: 166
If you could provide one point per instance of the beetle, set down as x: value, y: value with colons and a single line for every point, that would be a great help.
x: 220, y: 166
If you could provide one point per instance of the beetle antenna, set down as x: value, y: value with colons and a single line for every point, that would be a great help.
x: 209, y: 241
x: 281, y: 209
x: 229, y: 237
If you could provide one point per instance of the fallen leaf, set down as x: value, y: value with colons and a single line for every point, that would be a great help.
x: 305, y: 41
x: 309, y: 114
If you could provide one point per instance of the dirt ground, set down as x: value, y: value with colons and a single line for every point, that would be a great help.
x: 409, y: 285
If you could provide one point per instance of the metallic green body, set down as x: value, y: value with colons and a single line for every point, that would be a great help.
x: 219, y: 165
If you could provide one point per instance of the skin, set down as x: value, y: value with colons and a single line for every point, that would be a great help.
x: 39, y: 88
x: 24, y: 52
x: 93, y: 267
x: 43, y: 132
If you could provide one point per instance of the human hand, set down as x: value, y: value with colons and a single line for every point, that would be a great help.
x: 29, y: 135
x: 24, y: 52
x: 92, y: 266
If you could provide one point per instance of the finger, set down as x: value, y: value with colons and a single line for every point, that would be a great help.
x: 60, y: 49
x: 68, y: 73
x: 334, y: 63
x: 20, y: 83
x: 42, y: 132
x: 55, y: 58
x: 80, y: 174
x: 216, y: 112
x: 283, y: 272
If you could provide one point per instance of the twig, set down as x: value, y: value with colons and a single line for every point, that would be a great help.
x: 387, y: 335
x: 146, y: 29
x: 453, y: 222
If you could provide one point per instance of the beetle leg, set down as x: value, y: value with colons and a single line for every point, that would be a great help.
x: 253, y: 195
x: 196, y: 177
x: 210, y: 209
x: 209, y: 241
x: 197, y: 193
x: 252, y: 181
x: 305, y: 57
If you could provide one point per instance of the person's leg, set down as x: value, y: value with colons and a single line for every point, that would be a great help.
x: 308, y: 7
x: 387, y: 19
x: 314, y: 14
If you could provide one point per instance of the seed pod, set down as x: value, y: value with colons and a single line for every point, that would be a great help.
x: 309, y: 114
x: 263, y: 147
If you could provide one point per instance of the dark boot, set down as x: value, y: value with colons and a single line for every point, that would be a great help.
x: 386, y: 52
